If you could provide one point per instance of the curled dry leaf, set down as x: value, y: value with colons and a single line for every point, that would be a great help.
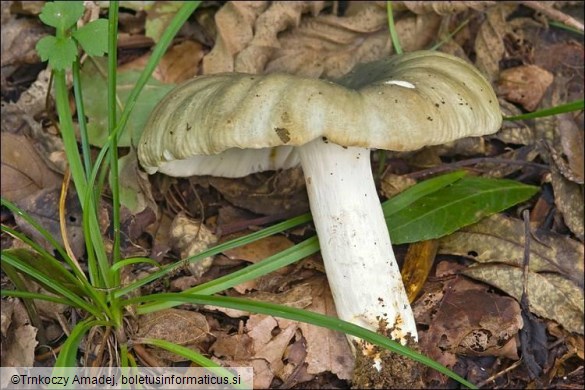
x: 441, y: 7
x: 253, y: 39
x: 330, y: 46
x: 190, y: 237
x: 525, y: 85
x: 489, y: 43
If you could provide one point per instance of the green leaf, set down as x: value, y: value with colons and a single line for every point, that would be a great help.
x: 96, y: 108
x: 93, y: 37
x: 449, y: 209
x: 62, y: 14
x: 60, y: 52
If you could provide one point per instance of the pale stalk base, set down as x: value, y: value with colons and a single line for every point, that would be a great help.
x: 361, y: 268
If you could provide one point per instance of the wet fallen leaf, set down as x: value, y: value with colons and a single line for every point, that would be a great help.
x: 525, y: 85
x: 44, y: 208
x: 24, y: 172
x: 550, y: 295
x: 474, y: 322
x: 418, y: 262
x: 570, y: 138
x: 501, y: 239
x: 569, y: 200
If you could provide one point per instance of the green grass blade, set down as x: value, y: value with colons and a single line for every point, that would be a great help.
x: 41, y: 297
x: 392, y: 29
x: 31, y: 221
x: 68, y: 353
x: 279, y: 227
x: 303, y: 316
x: 568, y: 107
x: 49, y: 281
x: 134, y: 260
x: 270, y: 264
x: 112, y: 119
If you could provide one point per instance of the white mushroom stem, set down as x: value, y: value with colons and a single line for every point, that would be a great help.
x: 361, y: 268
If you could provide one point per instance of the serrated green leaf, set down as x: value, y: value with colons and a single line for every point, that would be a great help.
x: 62, y: 14
x: 60, y: 52
x: 95, y: 100
x: 460, y: 204
x: 93, y: 37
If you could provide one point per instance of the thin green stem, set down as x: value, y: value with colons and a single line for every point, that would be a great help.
x: 112, y: 113
x: 392, y: 28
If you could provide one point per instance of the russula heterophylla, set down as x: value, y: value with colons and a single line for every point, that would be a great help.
x: 235, y: 124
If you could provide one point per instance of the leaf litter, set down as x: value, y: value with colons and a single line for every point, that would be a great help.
x: 508, y: 43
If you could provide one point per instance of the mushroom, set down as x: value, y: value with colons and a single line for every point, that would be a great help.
x: 235, y: 124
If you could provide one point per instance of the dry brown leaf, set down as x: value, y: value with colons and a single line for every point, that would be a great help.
x: 323, y: 45
x: 235, y: 29
x: 441, y: 7
x: 267, y: 193
x: 19, y: 339
x: 570, y: 138
x: 182, y: 327
x: 525, y: 85
x: 24, y: 172
x: 489, y: 43
x: 549, y: 295
x: 569, y: 200
x: 330, y: 46
x: 259, y: 250
x: 327, y: 351
x: 501, y: 239
x: 392, y: 184
x: 19, y: 37
x: 232, y: 347
x: 181, y: 62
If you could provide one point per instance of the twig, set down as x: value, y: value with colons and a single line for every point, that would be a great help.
x: 554, y: 14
